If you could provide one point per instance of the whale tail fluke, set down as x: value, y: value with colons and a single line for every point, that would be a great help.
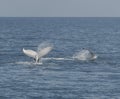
x: 37, y: 55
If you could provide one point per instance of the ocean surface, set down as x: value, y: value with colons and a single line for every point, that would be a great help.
x: 59, y: 76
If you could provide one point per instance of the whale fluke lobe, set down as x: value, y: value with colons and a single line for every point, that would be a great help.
x: 44, y: 51
x: 37, y: 55
x: 30, y: 53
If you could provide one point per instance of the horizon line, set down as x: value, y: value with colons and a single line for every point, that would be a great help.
x: 60, y: 16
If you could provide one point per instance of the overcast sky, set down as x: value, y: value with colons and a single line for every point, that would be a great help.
x: 60, y: 8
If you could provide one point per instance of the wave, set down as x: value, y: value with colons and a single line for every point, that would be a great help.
x: 78, y: 56
x: 43, y: 60
x: 52, y: 58
x: 28, y: 63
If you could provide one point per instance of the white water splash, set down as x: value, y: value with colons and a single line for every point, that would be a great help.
x: 29, y: 63
x: 53, y: 58
x: 44, y: 45
x: 84, y: 55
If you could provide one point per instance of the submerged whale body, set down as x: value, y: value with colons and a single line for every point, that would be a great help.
x: 37, y: 55
x: 85, y: 55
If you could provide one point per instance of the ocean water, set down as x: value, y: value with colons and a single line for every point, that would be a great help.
x: 59, y: 76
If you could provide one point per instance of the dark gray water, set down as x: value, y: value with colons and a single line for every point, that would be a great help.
x: 59, y: 78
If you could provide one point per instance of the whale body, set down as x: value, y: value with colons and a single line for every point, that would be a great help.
x: 85, y: 55
x: 37, y: 55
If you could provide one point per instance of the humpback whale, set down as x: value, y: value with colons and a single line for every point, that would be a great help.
x: 85, y: 55
x: 37, y: 55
